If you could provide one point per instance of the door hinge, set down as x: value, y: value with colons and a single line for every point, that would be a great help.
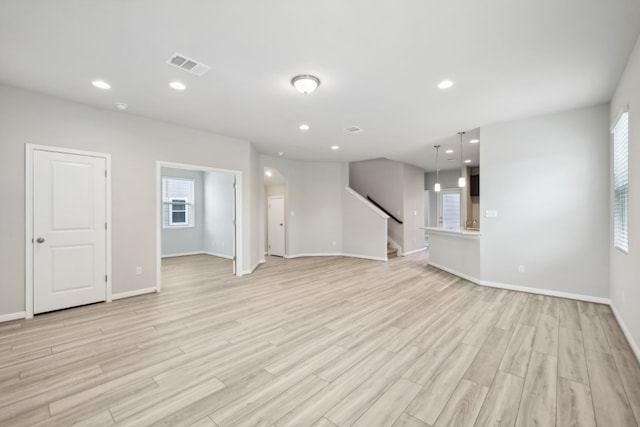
x: 105, y: 277
x: 234, y: 258
x: 105, y: 225
x: 234, y: 222
x: 105, y: 173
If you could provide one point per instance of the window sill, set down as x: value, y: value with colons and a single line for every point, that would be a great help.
x: 624, y: 251
x: 177, y: 227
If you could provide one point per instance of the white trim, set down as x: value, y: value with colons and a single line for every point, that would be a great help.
x: 537, y: 291
x: 12, y: 316
x: 578, y: 297
x: 238, y: 211
x: 621, y: 111
x: 625, y: 330
x: 135, y: 293
x: 456, y: 273
x: 225, y: 256
x: 367, y: 203
x: 28, y: 284
x: 415, y: 251
x: 184, y: 254
x: 336, y: 255
x: 262, y: 261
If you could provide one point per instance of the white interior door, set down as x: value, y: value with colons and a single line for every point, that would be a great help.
x: 449, y: 209
x: 69, y: 230
x: 275, y: 229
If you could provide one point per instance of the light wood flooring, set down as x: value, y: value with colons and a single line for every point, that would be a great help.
x: 320, y: 342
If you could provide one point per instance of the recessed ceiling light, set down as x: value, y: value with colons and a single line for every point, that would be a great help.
x: 335, y: 147
x: 303, y: 126
x: 268, y: 173
x: 474, y: 141
x: 280, y: 153
x: 449, y: 151
x: 305, y: 83
x: 101, y: 84
x: 445, y: 84
x: 178, y: 85
x: 121, y: 106
x: 468, y: 161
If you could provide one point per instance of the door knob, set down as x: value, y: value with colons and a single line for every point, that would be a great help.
x: 40, y: 240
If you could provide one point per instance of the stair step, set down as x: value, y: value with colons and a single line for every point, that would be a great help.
x: 392, y: 252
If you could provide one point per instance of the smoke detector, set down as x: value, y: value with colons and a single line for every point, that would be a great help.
x: 190, y: 65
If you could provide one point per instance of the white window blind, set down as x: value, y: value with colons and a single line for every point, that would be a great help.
x: 177, y: 202
x: 621, y: 183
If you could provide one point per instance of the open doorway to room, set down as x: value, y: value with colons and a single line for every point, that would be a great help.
x: 198, y: 232
x: 275, y: 190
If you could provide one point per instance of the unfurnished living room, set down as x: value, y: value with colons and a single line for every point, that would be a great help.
x: 340, y: 213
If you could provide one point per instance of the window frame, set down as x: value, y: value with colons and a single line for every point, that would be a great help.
x: 186, y: 200
x: 620, y: 172
x: 181, y: 201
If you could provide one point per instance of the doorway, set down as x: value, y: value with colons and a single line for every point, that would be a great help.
x: 68, y: 244
x: 275, y: 226
x: 450, y: 209
x: 199, y: 212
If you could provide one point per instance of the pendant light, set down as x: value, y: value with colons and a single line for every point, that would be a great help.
x: 436, y: 187
x: 462, y: 182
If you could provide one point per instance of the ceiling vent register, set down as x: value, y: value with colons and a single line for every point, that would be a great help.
x: 188, y: 64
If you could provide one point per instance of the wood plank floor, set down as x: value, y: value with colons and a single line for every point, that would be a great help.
x: 320, y: 342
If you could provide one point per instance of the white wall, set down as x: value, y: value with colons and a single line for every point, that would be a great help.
x: 625, y: 268
x: 364, y: 227
x: 413, y: 206
x: 135, y: 144
x: 185, y: 240
x: 218, y: 214
x: 548, y: 178
x: 382, y: 180
x: 314, y: 205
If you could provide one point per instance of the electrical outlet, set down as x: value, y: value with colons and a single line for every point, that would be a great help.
x: 521, y: 268
x: 138, y: 271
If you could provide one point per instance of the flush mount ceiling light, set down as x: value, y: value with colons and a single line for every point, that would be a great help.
x: 303, y: 127
x: 449, y: 151
x: 280, y: 153
x: 445, y: 84
x: 474, y: 141
x: 178, y: 85
x: 121, y: 106
x: 436, y: 187
x: 305, y: 83
x: 268, y: 173
x: 101, y: 84
x: 462, y: 182
x: 335, y: 147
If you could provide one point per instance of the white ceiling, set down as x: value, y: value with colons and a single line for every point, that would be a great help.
x: 379, y: 63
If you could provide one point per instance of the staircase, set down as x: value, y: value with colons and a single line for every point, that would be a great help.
x: 391, y: 252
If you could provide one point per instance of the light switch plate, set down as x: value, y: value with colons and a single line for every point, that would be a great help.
x: 491, y: 214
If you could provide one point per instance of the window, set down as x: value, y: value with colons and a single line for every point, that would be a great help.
x: 621, y: 183
x: 177, y: 202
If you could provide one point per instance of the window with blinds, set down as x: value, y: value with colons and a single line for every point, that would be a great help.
x: 621, y: 183
x: 177, y: 202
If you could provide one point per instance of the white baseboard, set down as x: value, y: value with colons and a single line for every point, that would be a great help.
x: 625, y: 330
x: 415, y: 251
x: 133, y: 293
x: 218, y: 255
x: 457, y: 273
x: 538, y: 291
x: 305, y: 255
x: 183, y: 254
x: 12, y: 316
x: 252, y: 269
x: 374, y: 258
x: 578, y: 297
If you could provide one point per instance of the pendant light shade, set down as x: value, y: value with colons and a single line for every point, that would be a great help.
x: 436, y: 187
x: 462, y: 182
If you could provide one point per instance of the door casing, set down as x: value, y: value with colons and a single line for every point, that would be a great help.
x: 29, y: 247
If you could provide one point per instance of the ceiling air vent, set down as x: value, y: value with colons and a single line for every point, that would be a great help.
x: 188, y: 64
x: 354, y: 129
